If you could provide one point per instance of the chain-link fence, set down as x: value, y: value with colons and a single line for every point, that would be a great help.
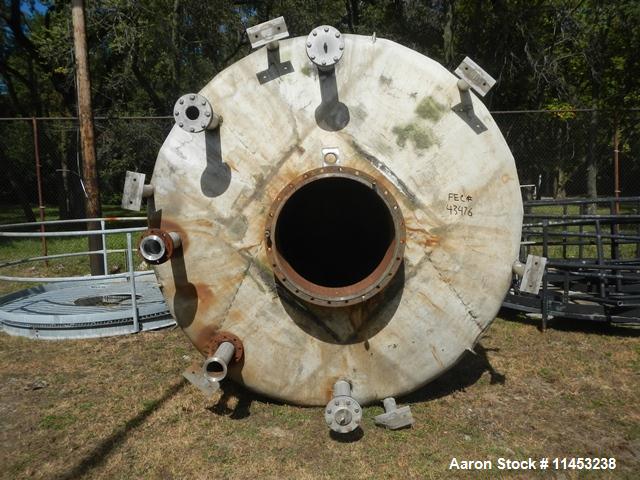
x: 558, y: 152
x: 52, y: 146
x: 562, y: 152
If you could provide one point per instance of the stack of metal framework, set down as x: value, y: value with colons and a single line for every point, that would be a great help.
x: 593, y: 266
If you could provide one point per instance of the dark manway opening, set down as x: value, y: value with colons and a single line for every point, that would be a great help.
x: 334, y: 231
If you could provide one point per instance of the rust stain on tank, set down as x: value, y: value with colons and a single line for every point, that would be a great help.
x: 201, y: 222
x: 505, y: 178
x: 202, y: 338
x: 428, y: 239
x: 235, y: 316
x: 328, y: 388
x: 206, y: 296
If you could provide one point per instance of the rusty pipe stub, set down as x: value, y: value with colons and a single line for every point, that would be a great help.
x: 157, y: 246
x: 335, y: 236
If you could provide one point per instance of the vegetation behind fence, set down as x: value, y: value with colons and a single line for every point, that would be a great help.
x: 553, y: 151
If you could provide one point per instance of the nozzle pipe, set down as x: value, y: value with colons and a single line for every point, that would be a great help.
x: 215, y: 367
x: 158, y: 246
x: 341, y: 388
x: 152, y: 248
x: 389, y: 404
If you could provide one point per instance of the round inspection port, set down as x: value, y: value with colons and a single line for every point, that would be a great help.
x: 335, y: 236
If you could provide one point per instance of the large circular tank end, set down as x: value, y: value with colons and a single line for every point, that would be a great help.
x: 335, y: 236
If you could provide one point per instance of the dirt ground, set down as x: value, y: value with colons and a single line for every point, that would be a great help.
x: 118, y: 408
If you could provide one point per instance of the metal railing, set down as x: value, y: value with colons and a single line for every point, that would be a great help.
x: 593, y: 267
x: 104, y: 232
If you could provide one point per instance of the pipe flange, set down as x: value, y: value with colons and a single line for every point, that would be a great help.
x: 219, y: 338
x: 343, y: 414
x: 157, y: 246
x: 193, y: 113
x: 325, y: 46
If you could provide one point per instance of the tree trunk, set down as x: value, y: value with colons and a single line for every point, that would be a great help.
x: 64, y: 196
x: 447, y: 35
x: 87, y: 137
x: 175, y: 42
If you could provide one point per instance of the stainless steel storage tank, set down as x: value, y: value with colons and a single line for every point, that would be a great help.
x: 354, y: 220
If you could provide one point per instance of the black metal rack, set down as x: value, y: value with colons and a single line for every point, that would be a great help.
x: 593, y: 267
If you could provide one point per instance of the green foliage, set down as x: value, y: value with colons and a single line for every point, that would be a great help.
x: 143, y: 53
x: 556, y: 55
x: 57, y: 422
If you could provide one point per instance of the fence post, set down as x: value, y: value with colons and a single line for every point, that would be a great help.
x: 616, y: 162
x: 105, y: 263
x: 132, y: 280
x: 36, y: 153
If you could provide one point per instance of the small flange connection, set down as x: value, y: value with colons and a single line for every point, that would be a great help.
x: 325, y: 46
x: 193, y: 113
x: 157, y: 246
x: 343, y: 414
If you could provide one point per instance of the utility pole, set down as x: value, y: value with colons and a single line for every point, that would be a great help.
x: 616, y: 161
x: 85, y: 118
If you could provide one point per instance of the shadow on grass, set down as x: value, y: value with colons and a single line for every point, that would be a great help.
x: 462, y: 375
x: 100, y: 453
x: 350, y: 437
x: 245, y: 397
x: 572, y: 325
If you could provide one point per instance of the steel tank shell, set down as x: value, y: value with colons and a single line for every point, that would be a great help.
x: 392, y: 117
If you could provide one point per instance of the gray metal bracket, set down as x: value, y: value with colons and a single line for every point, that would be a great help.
x: 134, y: 191
x: 268, y: 33
x: 205, y: 384
x: 473, y: 74
x: 394, y: 418
x: 531, y: 273
x: 276, y: 67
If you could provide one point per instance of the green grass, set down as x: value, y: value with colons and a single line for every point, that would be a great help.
x: 570, y: 391
x: 57, y: 422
